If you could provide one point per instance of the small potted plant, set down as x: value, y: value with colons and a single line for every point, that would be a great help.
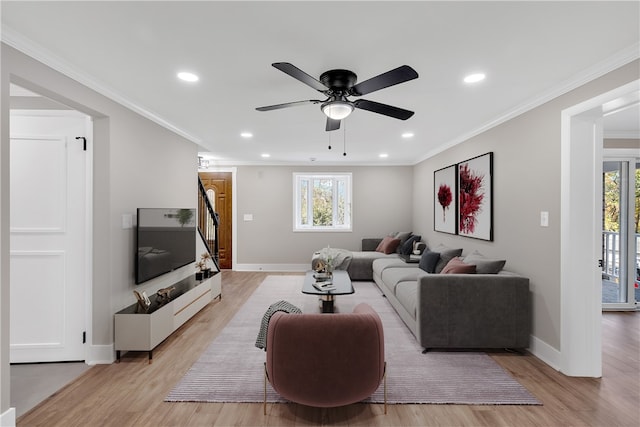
x: 328, y: 258
x: 204, y: 259
x: 200, y: 266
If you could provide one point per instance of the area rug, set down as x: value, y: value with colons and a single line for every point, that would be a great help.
x: 231, y: 368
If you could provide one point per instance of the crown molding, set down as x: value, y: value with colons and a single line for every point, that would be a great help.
x: 622, y: 135
x: 623, y: 57
x: 28, y: 47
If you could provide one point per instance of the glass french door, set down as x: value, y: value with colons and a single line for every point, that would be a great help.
x: 620, y: 234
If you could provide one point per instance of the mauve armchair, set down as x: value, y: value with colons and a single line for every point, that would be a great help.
x: 326, y: 360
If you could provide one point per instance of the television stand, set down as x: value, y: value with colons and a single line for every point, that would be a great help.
x: 143, y: 331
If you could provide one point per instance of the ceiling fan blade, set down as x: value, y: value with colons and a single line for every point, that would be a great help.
x: 401, y: 74
x: 387, y: 110
x: 298, y: 74
x: 288, y: 104
x: 332, y: 124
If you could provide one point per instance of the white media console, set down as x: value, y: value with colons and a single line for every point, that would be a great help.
x: 136, y: 330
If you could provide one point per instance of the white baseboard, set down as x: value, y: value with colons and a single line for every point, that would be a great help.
x: 273, y: 267
x: 8, y: 418
x: 101, y: 355
x: 545, y: 352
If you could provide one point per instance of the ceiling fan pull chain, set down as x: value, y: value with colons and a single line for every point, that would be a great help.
x: 344, y: 138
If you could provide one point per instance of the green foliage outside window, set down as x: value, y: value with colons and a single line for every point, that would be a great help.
x: 612, y: 201
x: 636, y: 215
x: 322, y: 202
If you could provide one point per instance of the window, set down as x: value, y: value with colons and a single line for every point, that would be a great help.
x: 322, y: 202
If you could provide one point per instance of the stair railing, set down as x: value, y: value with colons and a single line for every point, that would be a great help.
x: 208, y: 222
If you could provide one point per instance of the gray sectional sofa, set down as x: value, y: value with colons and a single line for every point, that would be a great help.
x: 489, y: 309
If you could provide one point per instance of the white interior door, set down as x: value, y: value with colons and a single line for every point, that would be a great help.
x: 48, y: 237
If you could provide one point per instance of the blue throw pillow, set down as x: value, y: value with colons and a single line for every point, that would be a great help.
x: 428, y: 261
x: 407, y: 247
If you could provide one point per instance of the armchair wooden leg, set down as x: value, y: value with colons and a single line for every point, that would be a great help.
x: 264, y: 403
x: 384, y: 378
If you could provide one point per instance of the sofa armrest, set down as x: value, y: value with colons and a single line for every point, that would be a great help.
x: 370, y: 244
x: 474, y: 310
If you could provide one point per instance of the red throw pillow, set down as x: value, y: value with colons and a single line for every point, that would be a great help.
x: 388, y: 245
x: 457, y: 266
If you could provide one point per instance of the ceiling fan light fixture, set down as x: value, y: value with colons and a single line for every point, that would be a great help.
x: 337, y: 110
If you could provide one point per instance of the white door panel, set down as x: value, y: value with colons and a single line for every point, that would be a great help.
x: 43, y: 290
x: 45, y: 186
x: 48, y: 238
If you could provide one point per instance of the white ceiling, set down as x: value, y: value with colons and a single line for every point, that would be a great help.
x: 131, y: 51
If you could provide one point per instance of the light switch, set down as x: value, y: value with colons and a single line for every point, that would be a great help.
x: 544, y: 219
x: 248, y: 217
x: 127, y: 221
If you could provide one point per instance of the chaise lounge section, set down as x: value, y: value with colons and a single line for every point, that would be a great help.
x: 359, y: 264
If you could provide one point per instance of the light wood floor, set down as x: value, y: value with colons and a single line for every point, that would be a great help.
x: 131, y: 393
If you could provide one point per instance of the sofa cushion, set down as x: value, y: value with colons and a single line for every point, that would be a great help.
x: 406, y: 247
x: 458, y: 266
x: 388, y: 245
x: 407, y: 294
x: 446, y: 255
x: 429, y: 260
x: 383, y: 262
x: 483, y: 264
x: 394, y: 275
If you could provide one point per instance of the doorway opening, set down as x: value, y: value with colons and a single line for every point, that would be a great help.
x: 220, y: 186
x: 51, y: 148
x: 620, y: 232
x: 581, y: 232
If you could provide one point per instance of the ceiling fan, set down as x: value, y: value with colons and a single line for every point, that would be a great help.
x: 338, y: 85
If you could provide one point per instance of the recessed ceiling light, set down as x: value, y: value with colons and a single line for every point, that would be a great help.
x: 383, y: 155
x: 407, y: 135
x: 188, y: 77
x: 474, y: 78
x: 265, y: 155
x: 246, y: 135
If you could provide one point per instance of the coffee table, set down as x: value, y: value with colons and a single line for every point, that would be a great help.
x: 341, y: 286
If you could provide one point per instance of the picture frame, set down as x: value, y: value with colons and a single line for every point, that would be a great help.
x: 475, y: 197
x: 445, y: 199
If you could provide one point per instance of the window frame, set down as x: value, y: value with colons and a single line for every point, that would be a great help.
x: 299, y: 177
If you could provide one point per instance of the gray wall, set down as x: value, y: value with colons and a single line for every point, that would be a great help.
x: 382, y: 199
x: 526, y: 181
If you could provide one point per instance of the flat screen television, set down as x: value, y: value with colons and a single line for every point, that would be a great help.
x: 165, y: 240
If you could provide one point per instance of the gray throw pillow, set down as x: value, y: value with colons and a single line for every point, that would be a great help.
x: 428, y: 261
x: 446, y: 255
x: 403, y: 236
x: 483, y: 264
x: 406, y: 248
